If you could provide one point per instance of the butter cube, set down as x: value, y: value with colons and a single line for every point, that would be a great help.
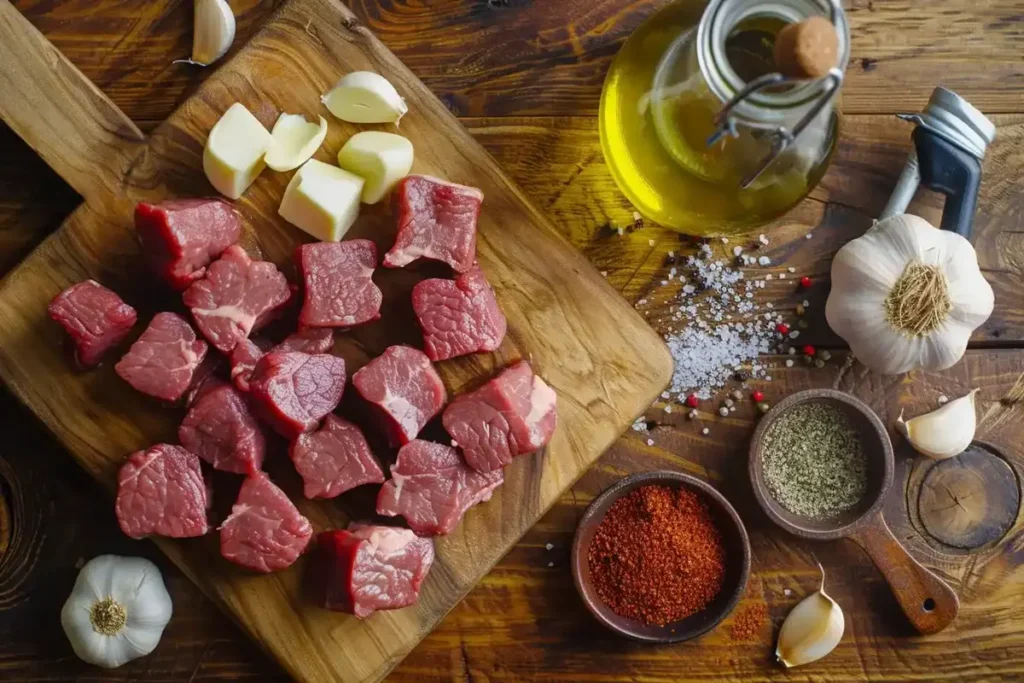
x: 382, y: 159
x: 234, y: 151
x: 322, y: 200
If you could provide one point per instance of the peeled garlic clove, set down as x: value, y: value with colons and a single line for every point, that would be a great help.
x: 365, y: 97
x: 213, y: 32
x: 294, y: 141
x: 812, y: 629
x: 942, y: 433
x: 382, y: 159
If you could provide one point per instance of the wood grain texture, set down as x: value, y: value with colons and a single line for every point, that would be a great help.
x: 603, y: 361
x: 524, y: 622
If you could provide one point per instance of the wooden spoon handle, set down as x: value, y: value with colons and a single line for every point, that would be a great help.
x: 60, y: 113
x: 929, y: 603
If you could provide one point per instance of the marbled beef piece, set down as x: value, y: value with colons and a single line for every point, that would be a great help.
x: 181, y: 236
x: 236, y: 297
x: 220, y: 429
x: 432, y: 487
x: 338, y: 281
x: 95, y: 318
x: 334, y: 459
x: 459, y: 316
x: 163, y: 361
x: 160, y: 491
x: 265, y: 532
x: 437, y: 221
x: 404, y: 390
x: 293, y: 391
x: 513, y: 414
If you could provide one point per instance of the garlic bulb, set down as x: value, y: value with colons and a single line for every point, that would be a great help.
x: 942, y: 433
x: 117, y: 610
x: 811, y: 630
x: 907, y: 295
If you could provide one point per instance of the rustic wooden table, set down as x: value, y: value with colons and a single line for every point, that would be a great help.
x: 525, y: 77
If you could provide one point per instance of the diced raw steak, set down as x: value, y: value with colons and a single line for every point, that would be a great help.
x: 162, y: 361
x: 243, y: 360
x: 432, y: 487
x: 436, y: 220
x: 293, y: 391
x: 370, y: 568
x: 161, y: 491
x: 458, y: 316
x: 513, y: 414
x: 94, y: 317
x: 265, y: 532
x: 404, y: 389
x: 339, y: 288
x: 334, y: 459
x: 221, y: 430
x: 181, y: 236
x: 309, y: 340
x: 235, y: 297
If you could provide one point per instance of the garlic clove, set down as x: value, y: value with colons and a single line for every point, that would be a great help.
x: 365, y: 97
x: 942, y: 433
x: 812, y: 629
x: 213, y: 31
x: 294, y: 141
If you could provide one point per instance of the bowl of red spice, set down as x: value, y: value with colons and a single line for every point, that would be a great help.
x: 661, y: 557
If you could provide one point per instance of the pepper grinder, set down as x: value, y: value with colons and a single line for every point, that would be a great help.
x: 950, y: 141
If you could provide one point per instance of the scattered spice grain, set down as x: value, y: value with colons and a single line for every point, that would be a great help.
x: 814, y: 465
x: 657, y: 555
x: 748, y: 622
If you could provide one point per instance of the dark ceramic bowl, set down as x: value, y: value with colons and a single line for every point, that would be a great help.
x: 737, y: 547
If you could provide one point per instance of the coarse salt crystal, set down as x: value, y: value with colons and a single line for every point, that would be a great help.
x: 806, y: 303
x: 810, y: 235
x: 763, y: 260
x: 650, y: 442
x: 636, y: 216
x: 549, y: 546
x: 791, y: 269
x: 725, y: 240
x: 736, y: 251
x: 794, y: 334
x: 789, y: 363
x: 705, y: 431
x: 650, y: 243
x: 621, y: 232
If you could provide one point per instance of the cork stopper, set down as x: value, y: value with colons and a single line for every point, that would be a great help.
x: 807, y: 49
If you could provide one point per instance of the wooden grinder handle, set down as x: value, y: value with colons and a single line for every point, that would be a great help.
x: 928, y: 601
x: 60, y: 113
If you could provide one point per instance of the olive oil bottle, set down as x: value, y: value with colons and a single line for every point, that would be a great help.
x: 660, y: 116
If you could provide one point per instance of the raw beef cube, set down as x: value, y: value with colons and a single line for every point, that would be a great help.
x: 436, y: 220
x: 309, y: 340
x: 339, y: 288
x: 243, y: 360
x: 404, y: 389
x: 221, y: 430
x: 334, y: 459
x: 458, y: 316
x: 164, y: 359
x: 513, y: 414
x: 235, y: 297
x: 180, y: 237
x: 293, y: 391
x: 94, y: 317
x: 204, y: 379
x: 432, y: 487
x: 265, y: 532
x: 370, y: 568
x: 161, y: 491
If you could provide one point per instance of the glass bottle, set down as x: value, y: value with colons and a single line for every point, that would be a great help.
x: 662, y: 106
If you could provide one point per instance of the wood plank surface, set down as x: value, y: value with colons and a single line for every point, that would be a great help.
x: 524, y: 622
x: 600, y: 357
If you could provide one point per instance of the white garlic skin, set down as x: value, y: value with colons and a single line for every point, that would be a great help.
x: 943, y: 433
x: 865, y: 271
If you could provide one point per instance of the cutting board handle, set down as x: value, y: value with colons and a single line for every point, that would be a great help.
x: 60, y: 113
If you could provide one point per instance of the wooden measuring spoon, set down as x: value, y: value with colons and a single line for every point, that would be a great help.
x: 928, y: 601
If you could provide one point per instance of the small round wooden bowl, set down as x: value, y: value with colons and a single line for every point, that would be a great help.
x: 877, y: 449
x: 737, y: 570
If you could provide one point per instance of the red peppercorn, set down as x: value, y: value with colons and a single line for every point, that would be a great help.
x: 805, y: 282
x: 692, y: 401
x: 782, y: 328
x: 809, y: 350
x: 757, y: 396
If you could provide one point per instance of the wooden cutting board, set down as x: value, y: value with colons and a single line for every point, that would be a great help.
x: 605, y: 363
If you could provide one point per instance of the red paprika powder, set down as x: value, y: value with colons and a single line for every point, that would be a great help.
x: 657, y: 555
